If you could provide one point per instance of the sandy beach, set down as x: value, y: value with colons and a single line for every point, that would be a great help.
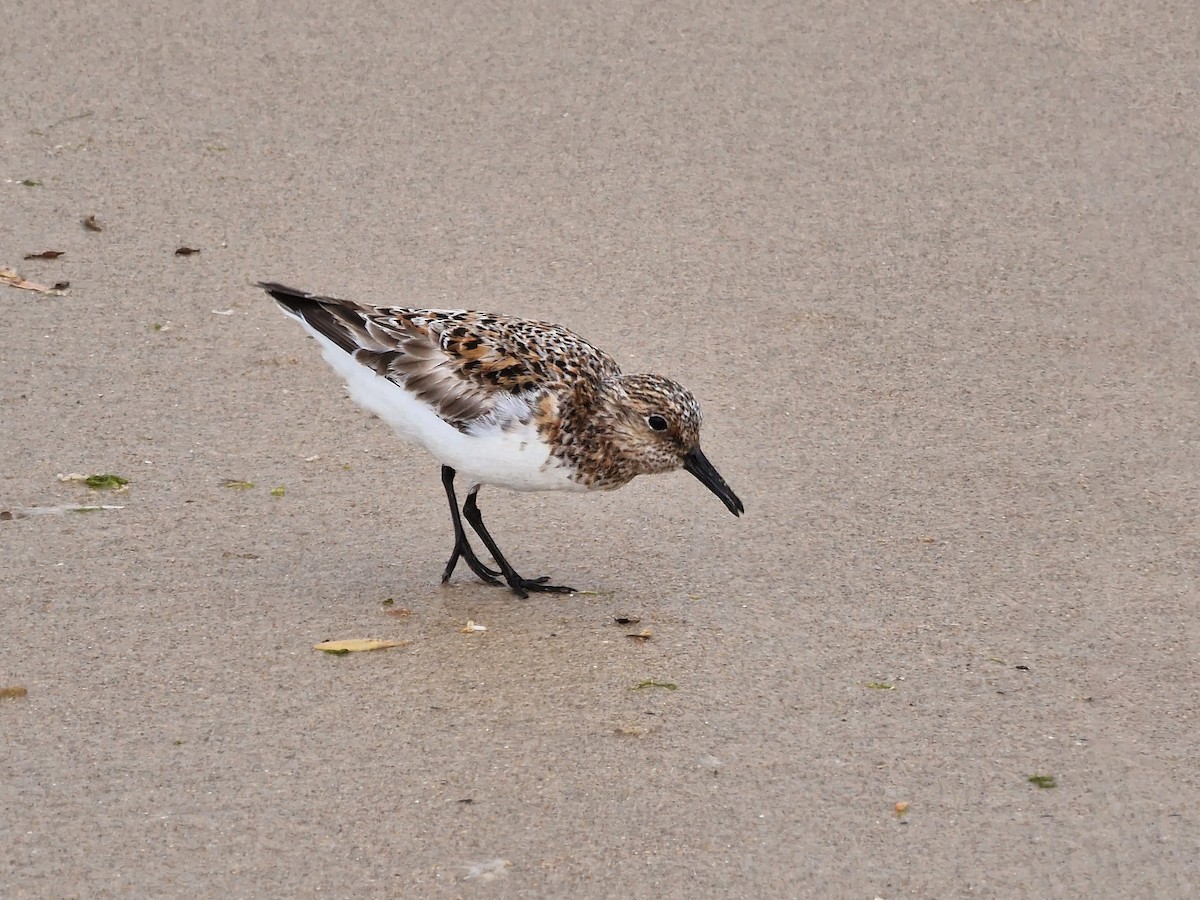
x: 929, y: 267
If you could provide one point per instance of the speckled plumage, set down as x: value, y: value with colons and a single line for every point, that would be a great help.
x: 515, y: 403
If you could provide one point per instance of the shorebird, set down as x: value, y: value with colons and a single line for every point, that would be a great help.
x: 523, y: 405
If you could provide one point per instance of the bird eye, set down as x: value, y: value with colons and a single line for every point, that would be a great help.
x: 656, y: 423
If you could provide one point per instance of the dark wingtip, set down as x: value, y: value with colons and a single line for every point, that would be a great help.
x: 289, y: 298
x: 324, y: 314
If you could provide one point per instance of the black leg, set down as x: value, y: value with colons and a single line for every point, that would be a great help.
x: 461, y: 546
x: 521, y: 586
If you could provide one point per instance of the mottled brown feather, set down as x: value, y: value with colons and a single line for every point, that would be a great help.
x: 461, y: 363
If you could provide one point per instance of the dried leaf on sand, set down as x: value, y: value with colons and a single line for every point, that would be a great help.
x: 13, y: 279
x: 648, y: 683
x: 356, y: 645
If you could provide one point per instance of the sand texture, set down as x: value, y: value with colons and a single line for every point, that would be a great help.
x: 931, y: 269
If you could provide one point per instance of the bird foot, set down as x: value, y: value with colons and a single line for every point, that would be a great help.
x: 523, y: 586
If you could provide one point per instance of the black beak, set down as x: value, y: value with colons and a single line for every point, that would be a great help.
x: 697, y: 463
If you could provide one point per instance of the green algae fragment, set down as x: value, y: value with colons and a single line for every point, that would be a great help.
x: 105, y: 482
x: 666, y: 685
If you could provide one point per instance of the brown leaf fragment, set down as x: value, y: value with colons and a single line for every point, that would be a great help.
x: 45, y: 254
x: 644, y: 635
x: 402, y: 612
x: 90, y: 223
x: 13, y: 692
x: 186, y: 251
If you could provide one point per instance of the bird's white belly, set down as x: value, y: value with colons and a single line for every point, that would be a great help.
x: 516, y: 459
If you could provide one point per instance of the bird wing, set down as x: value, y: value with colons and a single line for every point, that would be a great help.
x: 463, y: 364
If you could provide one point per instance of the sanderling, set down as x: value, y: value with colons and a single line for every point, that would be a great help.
x: 527, y: 406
